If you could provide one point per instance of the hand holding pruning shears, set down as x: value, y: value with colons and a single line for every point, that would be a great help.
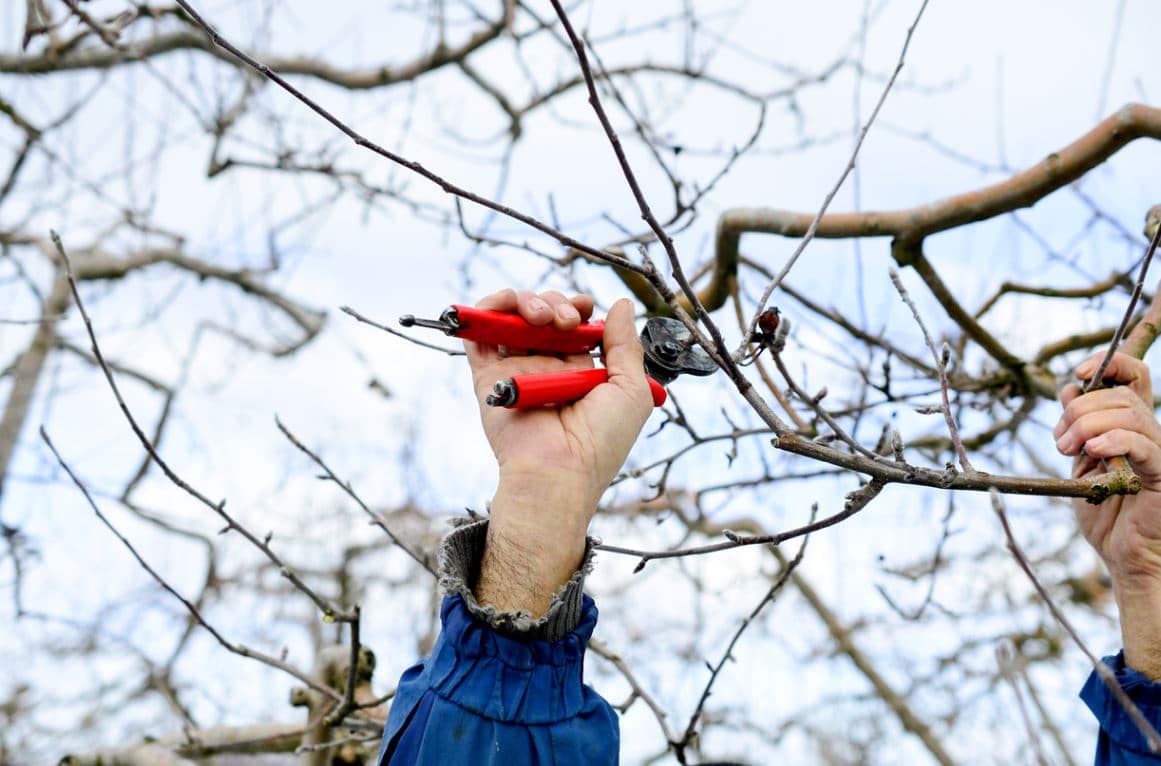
x: 559, y: 426
x: 588, y: 439
x: 555, y: 462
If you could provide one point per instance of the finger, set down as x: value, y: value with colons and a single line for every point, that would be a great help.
x: 534, y: 309
x: 624, y: 356
x: 1095, y: 424
x: 1119, y: 398
x: 480, y: 354
x: 1124, y: 369
x: 584, y: 306
x: 564, y: 314
x: 1085, y: 464
x: 1068, y: 393
x: 1143, y: 453
x: 501, y: 300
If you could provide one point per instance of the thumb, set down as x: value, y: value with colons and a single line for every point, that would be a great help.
x: 624, y: 357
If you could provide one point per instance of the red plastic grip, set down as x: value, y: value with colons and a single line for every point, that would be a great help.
x: 540, y: 388
x: 497, y: 328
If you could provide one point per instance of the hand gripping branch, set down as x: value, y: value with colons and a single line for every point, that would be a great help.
x: 669, y: 352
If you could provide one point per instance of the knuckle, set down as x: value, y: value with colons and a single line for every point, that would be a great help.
x: 1082, y: 428
x: 1139, y: 420
x: 1124, y: 395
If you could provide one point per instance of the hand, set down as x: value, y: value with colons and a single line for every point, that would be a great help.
x: 555, y: 462
x: 1124, y: 530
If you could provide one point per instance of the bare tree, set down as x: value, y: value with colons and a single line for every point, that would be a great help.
x: 916, y: 410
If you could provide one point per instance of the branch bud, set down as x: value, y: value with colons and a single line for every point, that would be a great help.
x: 780, y: 336
x: 1152, y: 221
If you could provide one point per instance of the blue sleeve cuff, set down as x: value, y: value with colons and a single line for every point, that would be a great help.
x: 509, y: 679
x: 489, y: 699
x: 460, y: 557
x: 1117, y: 729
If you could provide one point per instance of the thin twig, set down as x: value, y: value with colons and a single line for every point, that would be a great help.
x: 855, y: 502
x: 1120, y: 462
x: 1006, y: 660
x: 422, y: 560
x: 1046, y: 719
x: 639, y: 692
x: 328, y: 608
x: 411, y: 165
x: 1125, y: 321
x: 941, y: 360
x: 348, y: 703
x: 398, y: 334
x: 850, y: 166
x: 815, y: 404
x: 193, y: 611
x: 727, y: 655
x: 801, y: 424
x: 718, y: 350
x: 336, y: 743
x: 1152, y: 738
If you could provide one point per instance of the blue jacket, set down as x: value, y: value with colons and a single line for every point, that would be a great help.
x: 1120, y: 742
x: 483, y: 698
x: 493, y: 694
x: 488, y: 700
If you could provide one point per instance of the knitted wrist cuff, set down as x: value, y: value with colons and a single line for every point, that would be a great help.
x: 459, y: 564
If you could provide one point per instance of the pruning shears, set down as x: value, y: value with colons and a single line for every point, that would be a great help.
x: 669, y: 352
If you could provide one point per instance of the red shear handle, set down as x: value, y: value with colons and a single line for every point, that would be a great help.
x: 539, y: 389
x: 497, y: 328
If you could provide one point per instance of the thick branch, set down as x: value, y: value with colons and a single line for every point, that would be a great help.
x: 103, y: 57
x: 92, y: 265
x: 26, y: 373
x: 259, y: 738
x: 911, y: 225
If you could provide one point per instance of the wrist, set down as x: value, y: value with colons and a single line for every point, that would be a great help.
x: 544, y: 502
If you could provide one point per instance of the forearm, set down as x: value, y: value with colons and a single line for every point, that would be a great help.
x: 536, y: 541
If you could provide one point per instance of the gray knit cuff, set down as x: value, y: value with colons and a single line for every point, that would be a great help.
x: 460, y: 556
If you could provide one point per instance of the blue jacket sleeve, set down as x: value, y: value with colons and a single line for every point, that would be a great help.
x: 1120, y: 742
x: 485, y: 698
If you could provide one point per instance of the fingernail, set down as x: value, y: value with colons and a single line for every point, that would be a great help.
x: 538, y: 305
x: 1064, y: 443
x: 566, y: 311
